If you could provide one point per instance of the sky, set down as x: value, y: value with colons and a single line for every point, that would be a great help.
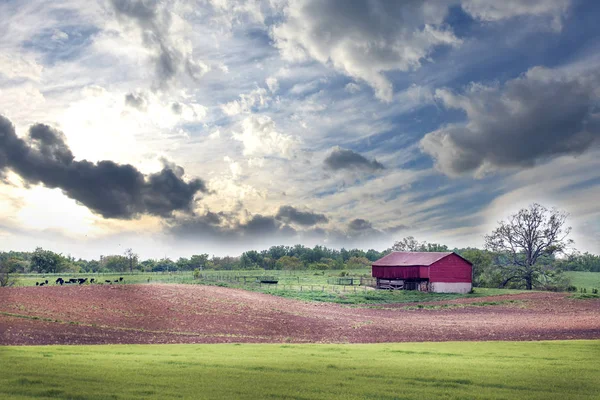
x: 181, y: 127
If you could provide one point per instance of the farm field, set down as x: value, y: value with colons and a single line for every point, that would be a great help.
x: 453, y: 370
x: 170, y: 313
x: 299, y: 285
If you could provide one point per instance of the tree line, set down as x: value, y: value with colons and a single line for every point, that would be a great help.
x: 527, y: 250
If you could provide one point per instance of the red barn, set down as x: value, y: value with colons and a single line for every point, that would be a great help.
x: 435, y: 272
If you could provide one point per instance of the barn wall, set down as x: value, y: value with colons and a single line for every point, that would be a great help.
x: 446, y: 287
x: 450, y: 269
x: 396, y: 272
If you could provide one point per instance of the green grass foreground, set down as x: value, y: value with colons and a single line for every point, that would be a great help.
x: 459, y: 370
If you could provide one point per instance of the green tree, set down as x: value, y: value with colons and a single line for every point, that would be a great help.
x: 46, y: 261
x: 132, y: 259
x: 7, y: 269
x: 358, y: 262
x: 116, y: 263
x: 289, y: 263
x: 198, y: 261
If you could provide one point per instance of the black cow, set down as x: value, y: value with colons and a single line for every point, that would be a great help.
x: 120, y: 279
x: 116, y: 281
x: 92, y: 280
x: 42, y: 284
x: 37, y: 284
x: 59, y: 280
x: 46, y: 281
x: 107, y: 281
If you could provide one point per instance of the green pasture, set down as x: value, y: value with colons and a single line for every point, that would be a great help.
x: 587, y: 280
x: 455, y: 370
x: 237, y: 277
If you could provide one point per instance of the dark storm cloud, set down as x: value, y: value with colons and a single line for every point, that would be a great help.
x: 360, y: 224
x: 137, y: 101
x: 536, y: 117
x: 227, y: 226
x: 347, y: 159
x: 290, y: 214
x: 106, y: 188
x: 154, y: 21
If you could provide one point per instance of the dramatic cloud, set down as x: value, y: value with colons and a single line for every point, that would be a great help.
x: 540, y: 115
x: 215, y: 226
x: 292, y: 215
x: 154, y: 22
x: 347, y: 159
x: 260, y: 137
x: 363, y: 38
x: 359, y: 224
x: 107, y: 188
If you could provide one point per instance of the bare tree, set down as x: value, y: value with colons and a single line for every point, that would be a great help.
x: 132, y: 259
x: 525, y: 238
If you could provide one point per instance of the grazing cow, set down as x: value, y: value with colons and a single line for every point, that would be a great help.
x: 73, y: 280
x: 46, y: 281
x: 120, y: 279
x: 116, y: 281
x: 58, y: 280
x: 92, y: 280
x: 42, y: 284
x: 37, y: 284
x: 107, y: 281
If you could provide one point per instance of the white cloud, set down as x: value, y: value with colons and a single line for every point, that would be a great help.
x: 257, y: 98
x: 260, y: 137
x: 352, y: 88
x: 486, y: 10
x: 363, y: 39
x: 272, y: 84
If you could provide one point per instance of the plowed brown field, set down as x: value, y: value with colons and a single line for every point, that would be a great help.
x: 207, y: 314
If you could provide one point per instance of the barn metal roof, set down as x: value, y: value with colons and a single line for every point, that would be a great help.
x: 410, y: 258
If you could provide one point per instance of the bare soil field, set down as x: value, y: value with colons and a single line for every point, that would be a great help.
x: 164, y: 313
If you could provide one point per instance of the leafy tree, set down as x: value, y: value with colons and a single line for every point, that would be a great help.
x: 409, y: 243
x: 164, y: 264
x: 290, y: 263
x: 358, y: 262
x: 46, y: 261
x: 483, y: 265
x: 580, y: 262
x: 115, y: 263
x: 148, y: 265
x: 132, y: 259
x: 198, y: 261
x: 526, y: 237
x: 7, y: 269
